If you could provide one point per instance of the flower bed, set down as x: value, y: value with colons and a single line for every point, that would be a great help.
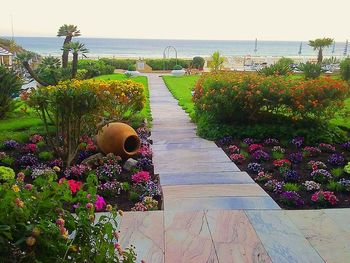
x: 297, y: 176
x: 116, y: 183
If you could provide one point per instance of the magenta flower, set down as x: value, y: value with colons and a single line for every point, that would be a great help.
x: 141, y: 177
x: 99, y: 203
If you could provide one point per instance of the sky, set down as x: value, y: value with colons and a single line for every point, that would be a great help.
x: 181, y: 19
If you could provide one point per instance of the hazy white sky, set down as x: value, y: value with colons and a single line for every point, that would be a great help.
x: 181, y: 19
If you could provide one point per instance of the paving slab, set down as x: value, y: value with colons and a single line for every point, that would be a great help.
x: 324, y: 234
x: 144, y: 230
x: 193, y: 178
x: 217, y: 203
x: 340, y: 216
x: 195, y: 157
x: 187, y: 238
x: 281, y: 238
x: 212, y: 190
x: 195, y: 167
x: 234, y: 237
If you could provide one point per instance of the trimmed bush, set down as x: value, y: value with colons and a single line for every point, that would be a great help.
x: 177, y: 67
x: 231, y: 96
x: 311, y: 70
x: 94, y: 68
x: 167, y: 64
x: 119, y: 63
x: 132, y: 68
x: 198, y: 62
x: 345, y: 69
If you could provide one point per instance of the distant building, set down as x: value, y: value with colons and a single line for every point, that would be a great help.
x: 6, y: 57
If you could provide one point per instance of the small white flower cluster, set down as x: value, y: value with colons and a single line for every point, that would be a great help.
x: 311, y: 185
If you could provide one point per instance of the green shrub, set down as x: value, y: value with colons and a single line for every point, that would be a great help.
x: 198, y: 62
x: 94, y: 67
x: 10, y: 86
x: 285, y: 61
x: 177, y: 67
x: 278, y: 69
x: 337, y: 172
x: 345, y: 69
x: 41, y: 144
x: 311, y: 70
x: 291, y: 187
x: 277, y: 155
x: 335, y: 186
x: 81, y: 74
x: 8, y: 160
x: 132, y: 68
x: 167, y: 64
x: 134, y: 196
x: 6, y: 173
x: 45, y: 156
x: 119, y: 63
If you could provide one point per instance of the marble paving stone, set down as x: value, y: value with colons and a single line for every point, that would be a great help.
x: 217, y: 203
x: 144, y: 230
x: 167, y: 157
x: 187, y: 238
x: 341, y: 217
x: 195, y: 167
x: 234, y: 237
x: 184, y: 146
x: 213, y: 190
x: 192, y: 178
x: 324, y: 234
x: 282, y: 240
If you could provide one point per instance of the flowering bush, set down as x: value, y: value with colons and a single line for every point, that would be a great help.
x: 291, y: 198
x: 147, y: 204
x: 274, y: 186
x: 144, y: 163
x: 314, y: 165
x: 312, y: 185
x: 108, y: 171
x: 346, y: 146
x: 254, y: 147
x: 10, y: 144
x: 260, y: 155
x: 110, y: 188
x: 345, y: 183
x: 233, y: 149
x: 296, y: 157
x: 76, y: 171
x: 30, y: 147
x: 28, y: 160
x: 278, y: 149
x: 145, y: 150
x: 141, y: 177
x: 6, y: 173
x: 36, y: 138
x: 298, y: 141
x: 281, y: 163
x: 323, y: 198
x: 262, y: 177
x: 255, y: 167
x: 336, y: 159
x: 248, y: 141
x: 271, y: 141
x: 325, y: 147
x: 311, y: 151
x: 237, y: 158
x: 291, y: 175
x: 321, y: 175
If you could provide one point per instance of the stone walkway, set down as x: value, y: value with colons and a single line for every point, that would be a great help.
x: 213, y: 212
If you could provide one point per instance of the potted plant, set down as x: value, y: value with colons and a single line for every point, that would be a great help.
x: 132, y: 71
x: 178, y: 71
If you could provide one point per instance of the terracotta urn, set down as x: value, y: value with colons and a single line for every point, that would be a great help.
x: 118, y: 138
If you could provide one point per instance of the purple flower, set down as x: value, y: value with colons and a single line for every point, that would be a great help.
x: 28, y: 160
x: 346, y: 146
x: 56, y: 162
x: 325, y: 147
x: 76, y: 170
x: 296, y: 157
x: 298, y: 141
x: 255, y: 167
x: 271, y: 141
x: 226, y: 140
x: 11, y: 144
x: 291, y: 175
x: 260, y: 155
x: 321, y: 175
x: 248, y: 141
x: 144, y: 163
x: 291, y: 198
x: 108, y: 171
x: 274, y: 186
x: 83, y: 155
x: 336, y: 159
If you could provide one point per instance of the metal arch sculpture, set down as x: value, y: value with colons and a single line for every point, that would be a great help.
x: 167, y: 50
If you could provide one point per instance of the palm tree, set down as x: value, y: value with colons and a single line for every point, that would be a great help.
x: 49, y: 70
x: 75, y: 48
x: 319, y: 44
x: 24, y: 58
x: 216, y: 61
x: 68, y: 31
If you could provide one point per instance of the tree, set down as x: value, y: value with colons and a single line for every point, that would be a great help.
x: 75, y: 48
x: 24, y: 58
x: 49, y: 70
x: 216, y: 61
x: 319, y: 44
x: 67, y: 31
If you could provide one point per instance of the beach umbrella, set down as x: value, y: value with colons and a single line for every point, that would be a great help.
x: 333, y: 49
x: 346, y: 48
x: 256, y: 46
x: 300, y: 47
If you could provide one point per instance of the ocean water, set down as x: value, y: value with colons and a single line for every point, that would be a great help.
x: 154, y: 48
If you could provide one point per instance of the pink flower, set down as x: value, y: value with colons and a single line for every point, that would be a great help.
x: 60, y: 222
x: 140, y: 177
x: 31, y: 147
x: 28, y: 186
x: 36, y: 138
x: 99, y: 203
x: 314, y: 197
x: 74, y: 186
x: 145, y: 151
x: 89, y: 206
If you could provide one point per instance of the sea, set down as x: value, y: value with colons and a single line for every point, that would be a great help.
x: 157, y: 48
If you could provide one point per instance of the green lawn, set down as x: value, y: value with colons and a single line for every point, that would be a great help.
x: 181, y: 88
x: 146, y: 112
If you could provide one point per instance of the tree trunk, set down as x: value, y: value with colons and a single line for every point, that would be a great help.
x: 74, y: 65
x: 320, y: 56
x: 32, y: 74
x: 65, y: 53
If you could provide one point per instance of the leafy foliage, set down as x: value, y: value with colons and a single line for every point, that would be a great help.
x: 198, y: 62
x: 311, y: 70
x: 216, y: 61
x: 345, y: 69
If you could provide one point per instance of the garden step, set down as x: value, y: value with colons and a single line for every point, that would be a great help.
x: 220, y: 202
x: 331, y: 237
x: 234, y: 238
x: 193, y: 178
x: 212, y: 190
x: 195, y: 167
x: 187, y: 238
x: 281, y: 238
x: 145, y: 230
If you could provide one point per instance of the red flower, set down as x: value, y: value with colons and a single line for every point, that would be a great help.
x: 74, y: 186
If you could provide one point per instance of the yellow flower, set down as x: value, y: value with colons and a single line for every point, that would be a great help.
x: 15, y: 188
x: 109, y: 208
x: 56, y: 169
